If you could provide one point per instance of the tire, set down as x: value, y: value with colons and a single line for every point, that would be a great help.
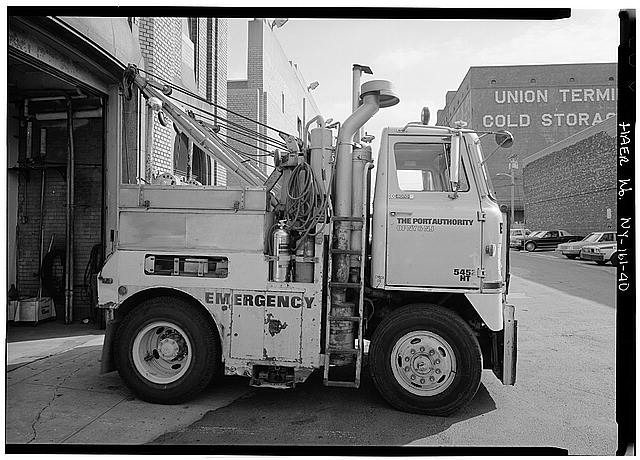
x: 614, y: 259
x: 189, y: 340
x: 442, y: 342
x: 530, y: 246
x: 570, y: 256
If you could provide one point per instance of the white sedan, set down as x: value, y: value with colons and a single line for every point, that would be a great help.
x: 572, y: 249
x: 601, y: 253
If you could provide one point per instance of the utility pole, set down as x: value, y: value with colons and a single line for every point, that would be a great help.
x: 513, y: 165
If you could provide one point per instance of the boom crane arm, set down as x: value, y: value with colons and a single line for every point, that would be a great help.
x: 198, y: 133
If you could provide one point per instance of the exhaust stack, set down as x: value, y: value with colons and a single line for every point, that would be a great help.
x: 375, y: 94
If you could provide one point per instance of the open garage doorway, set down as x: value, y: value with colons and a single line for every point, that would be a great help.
x: 55, y: 194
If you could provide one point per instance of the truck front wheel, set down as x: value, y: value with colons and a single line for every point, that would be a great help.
x: 166, y: 350
x: 425, y: 359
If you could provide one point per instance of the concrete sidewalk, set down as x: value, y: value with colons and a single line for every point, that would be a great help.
x: 55, y: 393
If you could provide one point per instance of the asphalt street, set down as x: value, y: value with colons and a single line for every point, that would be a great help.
x: 580, y: 278
x: 564, y: 396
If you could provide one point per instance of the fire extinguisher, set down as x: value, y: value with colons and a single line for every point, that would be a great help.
x: 281, y: 252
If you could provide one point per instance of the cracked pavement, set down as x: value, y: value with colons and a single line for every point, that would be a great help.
x: 63, y: 399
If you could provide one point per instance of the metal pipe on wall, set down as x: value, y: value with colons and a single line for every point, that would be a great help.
x: 69, y: 266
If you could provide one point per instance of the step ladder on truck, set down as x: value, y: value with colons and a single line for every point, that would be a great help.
x: 296, y: 271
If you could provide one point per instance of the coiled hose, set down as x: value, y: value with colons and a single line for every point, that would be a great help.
x: 303, y: 212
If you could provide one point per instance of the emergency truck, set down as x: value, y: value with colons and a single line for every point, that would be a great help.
x: 297, y: 271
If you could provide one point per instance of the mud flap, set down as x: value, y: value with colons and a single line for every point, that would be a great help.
x: 107, y: 363
x: 505, y: 348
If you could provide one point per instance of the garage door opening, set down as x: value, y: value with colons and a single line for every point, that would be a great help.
x: 55, y: 188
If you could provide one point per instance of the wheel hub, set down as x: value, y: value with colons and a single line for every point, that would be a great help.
x: 423, y: 363
x: 162, y: 352
x: 168, y: 349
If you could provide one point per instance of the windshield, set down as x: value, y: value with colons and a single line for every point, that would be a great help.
x: 591, y: 237
x: 536, y: 233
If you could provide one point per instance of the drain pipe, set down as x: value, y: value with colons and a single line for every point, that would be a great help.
x: 68, y: 291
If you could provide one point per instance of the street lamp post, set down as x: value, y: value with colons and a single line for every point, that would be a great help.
x: 513, y: 188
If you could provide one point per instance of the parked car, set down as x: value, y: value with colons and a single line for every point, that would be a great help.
x: 516, y: 235
x: 548, y: 239
x: 572, y: 250
x: 601, y: 253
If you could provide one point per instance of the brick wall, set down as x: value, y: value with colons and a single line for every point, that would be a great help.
x: 161, y: 40
x: 243, y: 101
x: 220, y: 70
x: 161, y: 44
x: 88, y: 143
x: 272, y: 75
x: 572, y: 188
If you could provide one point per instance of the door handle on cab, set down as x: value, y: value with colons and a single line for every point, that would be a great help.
x: 401, y: 213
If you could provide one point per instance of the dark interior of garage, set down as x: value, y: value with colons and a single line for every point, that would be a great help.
x: 55, y: 189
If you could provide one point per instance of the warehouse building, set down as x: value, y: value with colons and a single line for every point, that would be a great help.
x: 73, y: 138
x: 274, y: 93
x: 571, y: 185
x: 539, y: 104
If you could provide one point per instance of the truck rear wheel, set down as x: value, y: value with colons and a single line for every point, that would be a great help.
x: 425, y: 359
x: 166, y: 350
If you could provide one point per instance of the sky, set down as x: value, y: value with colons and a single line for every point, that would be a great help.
x: 425, y: 58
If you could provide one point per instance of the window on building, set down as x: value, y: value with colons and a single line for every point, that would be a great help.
x: 299, y: 128
x: 200, y: 169
x: 282, y: 102
x: 425, y: 168
x: 181, y: 154
x: 572, y: 79
x: 493, y: 82
x: 193, y: 36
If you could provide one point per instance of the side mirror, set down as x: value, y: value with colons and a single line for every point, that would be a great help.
x: 455, y: 159
x: 504, y: 139
x: 454, y: 170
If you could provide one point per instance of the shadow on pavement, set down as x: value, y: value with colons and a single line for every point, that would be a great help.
x: 21, y: 331
x: 312, y: 414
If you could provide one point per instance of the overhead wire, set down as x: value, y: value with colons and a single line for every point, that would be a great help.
x: 212, y: 117
x: 197, y: 96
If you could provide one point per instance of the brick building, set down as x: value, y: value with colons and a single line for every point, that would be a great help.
x: 274, y: 93
x: 62, y: 65
x: 539, y: 104
x: 571, y: 184
x: 191, y: 53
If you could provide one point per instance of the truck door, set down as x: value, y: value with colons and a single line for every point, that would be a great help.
x: 432, y: 239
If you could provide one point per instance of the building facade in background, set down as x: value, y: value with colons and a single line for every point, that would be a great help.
x: 571, y: 185
x: 539, y: 104
x: 274, y: 93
